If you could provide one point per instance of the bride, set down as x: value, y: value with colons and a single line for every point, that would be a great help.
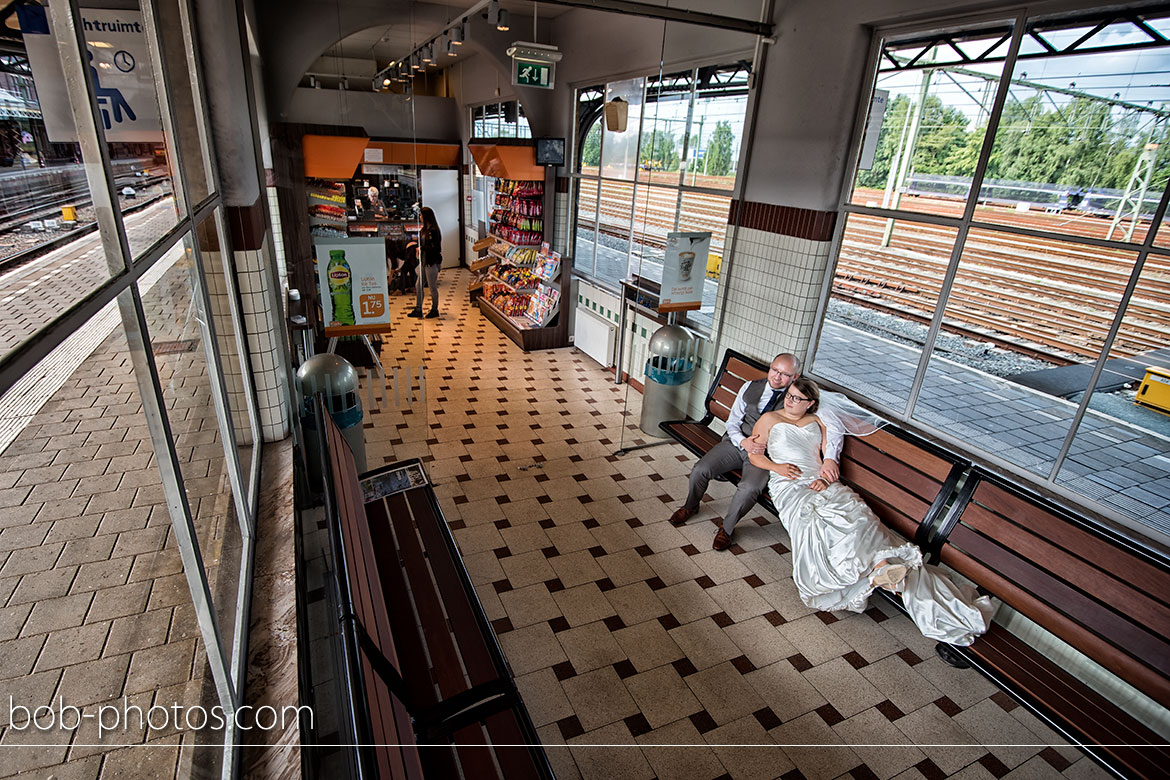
x: 840, y: 550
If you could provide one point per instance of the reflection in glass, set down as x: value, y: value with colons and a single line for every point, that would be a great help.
x: 700, y: 211
x: 1120, y: 455
x: 1055, y: 299
x: 664, y: 128
x: 616, y: 207
x: 883, y: 297
x: 933, y: 126
x: 619, y: 151
x: 717, y: 128
x: 174, y: 316
x: 583, y: 246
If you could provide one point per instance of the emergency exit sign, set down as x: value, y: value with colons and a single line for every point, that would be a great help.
x: 526, y: 73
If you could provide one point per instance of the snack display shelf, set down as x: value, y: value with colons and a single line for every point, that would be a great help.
x: 500, y: 238
x: 518, y: 290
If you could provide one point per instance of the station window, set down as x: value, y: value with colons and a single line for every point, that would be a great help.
x: 673, y: 169
x: 500, y: 120
x: 996, y: 245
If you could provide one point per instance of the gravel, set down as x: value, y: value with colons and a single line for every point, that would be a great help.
x: 981, y: 355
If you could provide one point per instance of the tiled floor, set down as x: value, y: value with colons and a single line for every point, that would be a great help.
x: 640, y: 652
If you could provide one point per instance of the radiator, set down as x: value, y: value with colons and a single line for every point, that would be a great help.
x: 594, y: 336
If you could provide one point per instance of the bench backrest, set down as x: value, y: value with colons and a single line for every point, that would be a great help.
x: 735, y: 370
x: 904, y: 479
x: 1088, y: 586
x: 392, y: 732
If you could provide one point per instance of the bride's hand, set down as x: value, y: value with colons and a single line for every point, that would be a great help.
x: 818, y: 484
x: 788, y: 470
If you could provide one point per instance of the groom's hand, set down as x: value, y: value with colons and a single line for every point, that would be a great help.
x: 830, y: 471
x: 752, y: 445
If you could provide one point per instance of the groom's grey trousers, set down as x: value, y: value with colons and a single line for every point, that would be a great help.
x: 722, y: 458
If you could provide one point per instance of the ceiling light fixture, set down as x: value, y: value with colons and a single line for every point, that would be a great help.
x: 386, y: 82
x: 493, y: 13
x: 502, y: 24
x: 456, y: 34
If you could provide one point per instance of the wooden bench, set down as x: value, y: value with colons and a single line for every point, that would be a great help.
x: 426, y: 668
x: 1100, y: 593
x: 904, y: 479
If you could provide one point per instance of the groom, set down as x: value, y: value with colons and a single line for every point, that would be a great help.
x: 754, y: 399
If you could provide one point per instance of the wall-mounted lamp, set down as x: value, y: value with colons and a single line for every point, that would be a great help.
x: 617, y: 111
x: 386, y: 82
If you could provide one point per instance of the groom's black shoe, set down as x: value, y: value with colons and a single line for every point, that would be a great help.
x: 682, y: 515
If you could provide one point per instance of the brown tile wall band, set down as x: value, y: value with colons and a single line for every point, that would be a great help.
x: 783, y: 220
x: 562, y: 184
x: 246, y: 224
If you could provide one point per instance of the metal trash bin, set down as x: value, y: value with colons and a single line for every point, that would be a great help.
x: 336, y: 378
x: 669, y: 370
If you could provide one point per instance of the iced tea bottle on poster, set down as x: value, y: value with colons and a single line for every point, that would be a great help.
x: 340, y: 288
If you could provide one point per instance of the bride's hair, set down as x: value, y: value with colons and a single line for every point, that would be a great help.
x: 809, y: 390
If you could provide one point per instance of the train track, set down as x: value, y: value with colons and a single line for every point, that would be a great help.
x: 48, y: 202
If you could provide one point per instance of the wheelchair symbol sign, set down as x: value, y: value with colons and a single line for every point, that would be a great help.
x: 124, y: 61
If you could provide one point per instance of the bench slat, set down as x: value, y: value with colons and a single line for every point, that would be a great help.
x: 721, y: 402
x: 919, y: 458
x: 901, y: 510
x: 1103, y: 586
x: 516, y: 762
x: 1080, y: 542
x: 982, y: 561
x: 896, y: 472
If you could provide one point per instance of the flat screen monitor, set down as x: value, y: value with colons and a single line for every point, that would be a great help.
x: 550, y: 151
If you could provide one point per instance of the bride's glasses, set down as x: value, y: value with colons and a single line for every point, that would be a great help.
x: 798, y: 398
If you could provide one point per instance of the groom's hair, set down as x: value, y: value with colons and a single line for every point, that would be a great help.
x: 793, y: 358
x: 809, y: 390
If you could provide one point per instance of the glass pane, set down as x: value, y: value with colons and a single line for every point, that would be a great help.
x: 186, y: 105
x: 654, y: 217
x: 591, y: 149
x: 586, y: 226
x: 885, y: 291
x: 619, y: 151
x: 222, y: 293
x: 1082, y: 146
x: 701, y: 211
x: 1121, y: 453
x: 717, y: 128
x: 664, y: 128
x: 87, y: 535
x: 616, y: 202
x: 1025, y: 322
x: 174, y: 316
x: 929, y: 137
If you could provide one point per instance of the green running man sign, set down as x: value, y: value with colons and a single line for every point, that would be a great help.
x: 526, y: 73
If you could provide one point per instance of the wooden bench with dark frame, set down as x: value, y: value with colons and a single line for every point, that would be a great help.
x: 1102, y: 594
x: 906, y: 480
x: 424, y: 663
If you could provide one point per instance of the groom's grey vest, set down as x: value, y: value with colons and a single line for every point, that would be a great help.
x: 751, y: 400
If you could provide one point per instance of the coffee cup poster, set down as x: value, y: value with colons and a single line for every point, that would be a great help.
x: 351, y: 280
x: 683, y: 270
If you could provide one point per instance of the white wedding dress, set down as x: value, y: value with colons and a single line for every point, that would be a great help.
x: 837, y: 540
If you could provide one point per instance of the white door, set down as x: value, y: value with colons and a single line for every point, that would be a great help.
x: 440, y: 191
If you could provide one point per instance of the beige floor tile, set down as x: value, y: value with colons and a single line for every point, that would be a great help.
x: 785, y: 690
x: 739, y: 600
x: 576, y: 568
x: 989, y: 724
x: 571, y: 538
x: 767, y: 564
x: 662, y: 695
x: 844, y: 687
x: 479, y: 538
x: 590, y: 646
x: 868, y: 730
x: 648, y: 645
x: 526, y: 512
x: 704, y: 644
x: 964, y: 687
x: 815, y: 641
x: 744, y: 747
x: 599, y: 698
x: 483, y: 567
x: 688, y: 602
x: 929, y: 726
x: 560, y: 757
x: 527, y: 568
x: 724, y: 692
x: 900, y: 683
x: 662, y: 536
x: 531, y: 648
x: 680, y: 763
x: 625, y: 567
x: 1035, y: 768
x: 617, y: 537
x: 525, y: 538
x: 674, y: 566
x: 543, y: 697
x: 816, y: 763
x: 528, y: 605
x: 599, y: 756
x: 760, y: 641
x: 583, y: 604
x: 868, y: 638
x: 636, y: 603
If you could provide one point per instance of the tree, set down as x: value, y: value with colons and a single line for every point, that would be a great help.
x: 718, y: 160
x: 591, y: 149
x: 659, y: 151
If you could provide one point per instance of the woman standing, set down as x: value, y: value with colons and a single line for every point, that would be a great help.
x: 430, y: 251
